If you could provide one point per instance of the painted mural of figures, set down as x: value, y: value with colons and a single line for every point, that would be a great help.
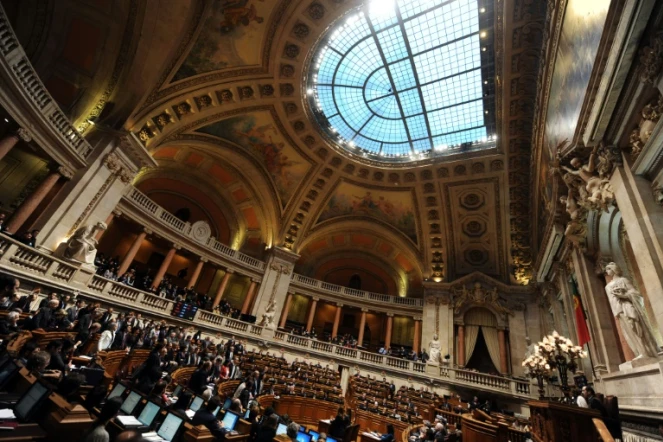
x: 238, y: 12
x: 627, y: 306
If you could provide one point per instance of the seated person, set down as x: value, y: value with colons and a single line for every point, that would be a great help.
x: 291, y: 431
x: 205, y: 416
x: 98, y: 433
x: 9, y: 325
x: 236, y: 406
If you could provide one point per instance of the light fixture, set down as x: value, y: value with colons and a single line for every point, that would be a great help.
x: 486, y: 112
x: 6, y: 120
x: 482, y: 10
x: 485, y: 82
x: 483, y: 49
x: 483, y: 34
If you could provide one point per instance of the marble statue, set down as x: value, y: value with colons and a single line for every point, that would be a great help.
x: 434, y: 351
x: 627, y: 306
x: 267, y: 319
x: 531, y: 348
x: 82, y: 246
x: 599, y: 193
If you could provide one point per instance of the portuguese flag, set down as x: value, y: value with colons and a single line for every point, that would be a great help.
x: 581, y: 321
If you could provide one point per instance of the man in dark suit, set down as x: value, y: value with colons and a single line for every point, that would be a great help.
x: 45, y: 318
x: 25, y: 302
x: 118, y: 342
x: 72, y: 312
x: 205, y: 416
x: 198, y: 381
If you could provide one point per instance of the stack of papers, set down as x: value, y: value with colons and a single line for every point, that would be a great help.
x: 7, y: 414
x: 129, y: 421
x: 190, y: 413
x: 152, y: 436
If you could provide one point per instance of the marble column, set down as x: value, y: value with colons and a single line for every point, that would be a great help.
x: 337, y: 319
x: 131, y: 254
x: 246, y: 306
x: 604, y: 343
x: 504, y: 365
x: 164, y: 265
x: 196, y: 273
x: 362, y: 325
x: 286, y: 310
x: 20, y: 216
x: 222, y: 288
x: 390, y: 326
x: 461, y: 346
x: 8, y: 143
x: 311, y: 313
x: 416, y: 345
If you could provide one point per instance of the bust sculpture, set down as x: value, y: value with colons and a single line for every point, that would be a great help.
x: 267, y: 319
x: 627, y: 306
x: 434, y: 351
x: 82, y: 246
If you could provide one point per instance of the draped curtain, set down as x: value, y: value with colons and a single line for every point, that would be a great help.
x: 481, y: 319
x: 493, y: 344
x: 471, y: 335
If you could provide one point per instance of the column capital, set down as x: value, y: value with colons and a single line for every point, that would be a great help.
x: 339, y: 305
x: 176, y: 246
x: 147, y: 231
x: 391, y: 315
x: 364, y: 310
x: 229, y: 272
x: 117, y: 212
x: 315, y: 298
x: 417, y: 318
x: 203, y: 259
x: 65, y: 172
x: 291, y: 292
x: 24, y: 134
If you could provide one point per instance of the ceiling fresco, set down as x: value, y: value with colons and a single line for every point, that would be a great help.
x: 231, y: 36
x: 257, y: 133
x: 223, y: 100
x: 394, y: 208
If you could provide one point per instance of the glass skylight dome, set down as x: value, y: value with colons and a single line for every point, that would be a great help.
x: 407, y: 79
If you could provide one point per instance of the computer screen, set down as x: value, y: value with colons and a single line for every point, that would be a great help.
x: 227, y: 403
x: 331, y: 439
x: 197, y: 402
x: 302, y: 428
x: 230, y: 420
x: 314, y: 435
x: 246, y: 414
x: 177, y: 391
x: 8, y: 372
x: 148, y: 414
x: 117, y: 391
x: 25, y: 405
x: 281, y: 429
x: 169, y: 428
x: 130, y: 402
x: 303, y: 437
x: 216, y: 411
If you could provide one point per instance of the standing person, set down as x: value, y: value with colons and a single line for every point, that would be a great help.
x: 339, y: 424
x: 151, y: 372
x: 107, y: 337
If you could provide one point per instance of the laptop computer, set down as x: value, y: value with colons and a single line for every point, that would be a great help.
x: 227, y: 404
x: 167, y: 431
x: 303, y: 437
x: 281, y: 429
x: 230, y: 420
x: 130, y: 403
x: 29, y: 403
x: 314, y: 435
x: 196, y: 403
x: 118, y: 390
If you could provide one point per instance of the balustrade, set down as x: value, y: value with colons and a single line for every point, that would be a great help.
x: 17, y: 256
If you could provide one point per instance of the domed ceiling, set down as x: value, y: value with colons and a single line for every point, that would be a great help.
x: 220, y: 92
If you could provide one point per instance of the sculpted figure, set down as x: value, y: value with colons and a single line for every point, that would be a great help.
x: 434, y: 351
x: 627, y: 306
x: 599, y: 190
x: 82, y: 246
x: 267, y: 319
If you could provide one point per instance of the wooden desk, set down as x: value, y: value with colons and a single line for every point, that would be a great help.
x: 305, y: 411
x: 365, y: 436
x: 23, y: 432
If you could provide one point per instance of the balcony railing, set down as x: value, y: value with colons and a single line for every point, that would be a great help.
x: 26, y: 82
x: 43, y: 269
x: 142, y: 202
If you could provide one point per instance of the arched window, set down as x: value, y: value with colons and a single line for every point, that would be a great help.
x: 355, y: 282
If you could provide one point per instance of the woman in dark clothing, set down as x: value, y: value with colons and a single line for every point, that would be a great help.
x: 389, y: 435
x: 267, y: 432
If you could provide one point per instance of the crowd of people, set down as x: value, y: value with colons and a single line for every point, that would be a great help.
x: 29, y: 237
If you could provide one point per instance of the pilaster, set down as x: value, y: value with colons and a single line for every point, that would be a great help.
x: 93, y: 192
x: 276, y: 281
x: 438, y: 319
